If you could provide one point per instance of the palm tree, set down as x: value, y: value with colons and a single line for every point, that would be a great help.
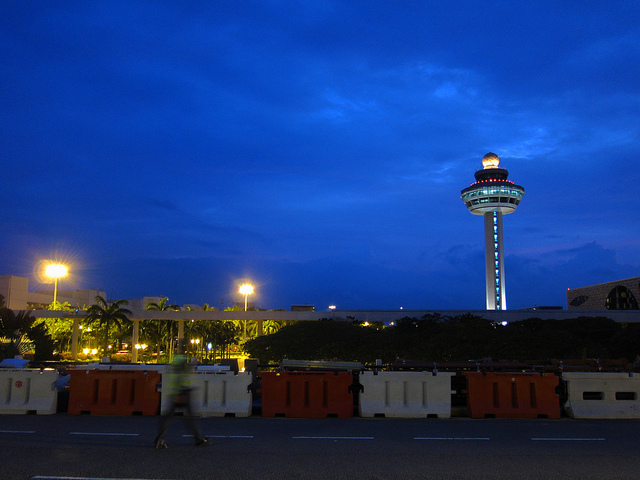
x: 14, y: 327
x: 219, y: 333
x: 105, y: 313
x: 164, y: 329
x: 271, y: 326
x: 162, y: 305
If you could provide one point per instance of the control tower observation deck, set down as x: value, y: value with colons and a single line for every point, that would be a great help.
x: 492, y: 196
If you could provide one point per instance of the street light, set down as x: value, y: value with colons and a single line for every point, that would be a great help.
x: 246, y: 290
x: 55, y: 271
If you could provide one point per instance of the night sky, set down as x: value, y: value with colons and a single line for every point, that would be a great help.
x: 318, y: 149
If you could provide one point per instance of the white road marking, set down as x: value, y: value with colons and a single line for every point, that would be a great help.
x: 451, y: 438
x: 41, y: 477
x: 551, y: 439
x: 17, y: 431
x: 104, y: 434
x: 333, y: 438
x: 221, y: 436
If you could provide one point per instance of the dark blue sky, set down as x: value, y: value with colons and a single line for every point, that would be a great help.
x: 318, y: 149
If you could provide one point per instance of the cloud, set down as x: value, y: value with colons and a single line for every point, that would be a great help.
x: 326, y: 133
x: 543, y: 280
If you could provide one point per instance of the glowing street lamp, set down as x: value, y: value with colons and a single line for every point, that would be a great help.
x: 246, y: 290
x: 55, y: 271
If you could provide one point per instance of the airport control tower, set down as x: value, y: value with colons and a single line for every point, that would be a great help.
x: 492, y: 196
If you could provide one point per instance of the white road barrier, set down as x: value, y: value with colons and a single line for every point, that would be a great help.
x: 217, y: 394
x: 406, y: 394
x: 602, y: 395
x: 28, y: 390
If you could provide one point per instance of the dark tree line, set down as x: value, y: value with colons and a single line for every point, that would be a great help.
x: 435, y: 338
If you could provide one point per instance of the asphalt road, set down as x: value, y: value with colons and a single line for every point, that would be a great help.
x: 67, y: 446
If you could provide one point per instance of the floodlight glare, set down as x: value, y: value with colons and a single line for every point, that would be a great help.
x: 246, y: 289
x: 55, y: 271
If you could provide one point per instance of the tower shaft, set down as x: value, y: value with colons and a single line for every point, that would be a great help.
x: 494, y: 261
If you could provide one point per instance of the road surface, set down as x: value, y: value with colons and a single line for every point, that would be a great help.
x: 115, y: 447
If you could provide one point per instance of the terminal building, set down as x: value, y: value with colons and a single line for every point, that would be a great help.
x: 618, y: 295
x: 17, y: 296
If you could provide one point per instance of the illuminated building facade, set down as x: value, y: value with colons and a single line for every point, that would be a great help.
x: 493, y: 196
x: 15, y: 291
x: 618, y: 295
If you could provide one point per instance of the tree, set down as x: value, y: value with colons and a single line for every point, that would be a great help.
x: 60, y: 329
x: 43, y: 342
x: 105, y: 314
x: 14, y: 327
x: 318, y: 340
x: 162, y: 305
x: 272, y: 326
x: 161, y: 331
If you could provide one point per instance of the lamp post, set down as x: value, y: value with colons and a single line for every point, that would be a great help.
x: 245, y: 290
x: 55, y: 271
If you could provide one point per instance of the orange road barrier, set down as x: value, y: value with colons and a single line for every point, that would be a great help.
x: 512, y: 395
x: 114, y: 392
x: 307, y: 394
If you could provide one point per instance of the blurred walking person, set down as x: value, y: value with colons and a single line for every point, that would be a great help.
x: 177, y: 386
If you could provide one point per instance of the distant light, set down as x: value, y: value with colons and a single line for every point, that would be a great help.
x: 85, y: 351
x: 246, y: 290
x: 504, y: 324
x: 209, y: 346
x: 56, y: 270
x: 332, y: 307
x: 490, y: 160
